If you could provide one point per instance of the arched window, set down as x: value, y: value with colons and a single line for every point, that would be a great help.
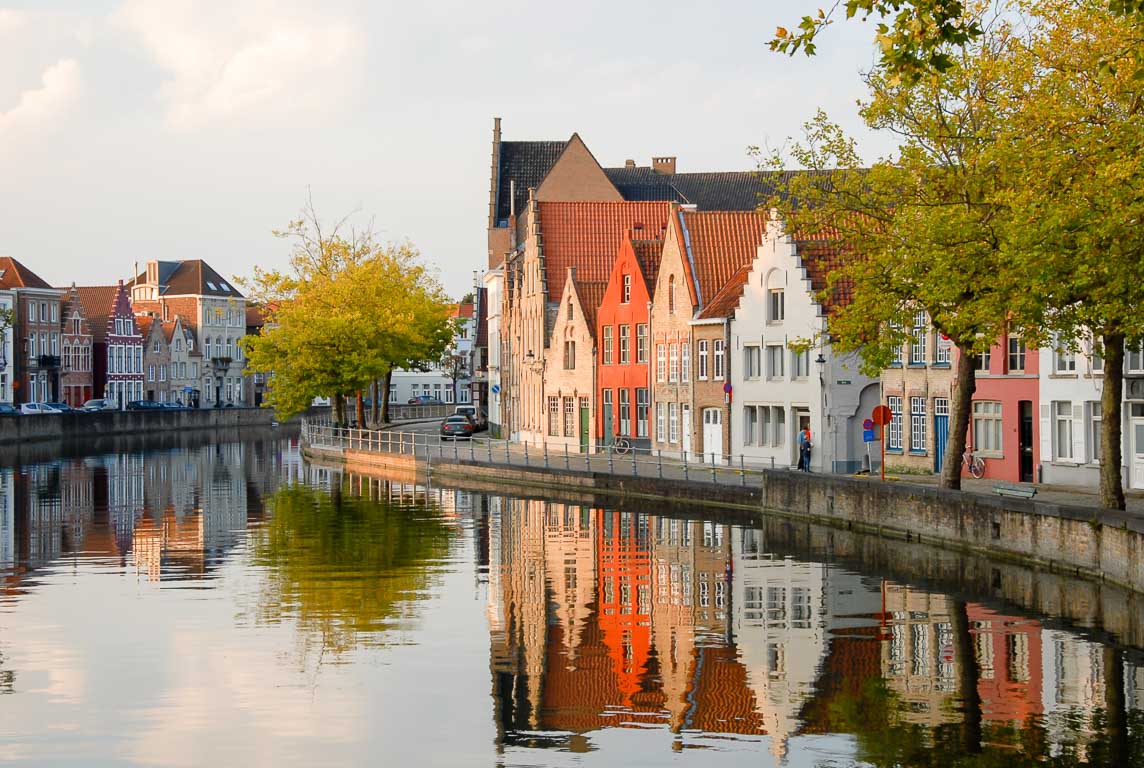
x: 569, y: 309
x: 671, y: 294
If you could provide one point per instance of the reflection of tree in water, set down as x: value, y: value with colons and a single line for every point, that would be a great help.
x: 349, y: 569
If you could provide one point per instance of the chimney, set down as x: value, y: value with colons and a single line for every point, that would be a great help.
x: 629, y: 163
x: 664, y: 165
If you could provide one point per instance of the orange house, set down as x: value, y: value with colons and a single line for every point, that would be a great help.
x: 624, y: 403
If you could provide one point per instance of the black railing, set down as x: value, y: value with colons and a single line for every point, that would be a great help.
x: 49, y: 361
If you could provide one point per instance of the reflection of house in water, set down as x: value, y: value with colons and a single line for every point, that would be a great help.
x: 7, y: 521
x: 1074, y: 686
x: 1008, y: 653
x: 919, y: 659
x: 125, y: 500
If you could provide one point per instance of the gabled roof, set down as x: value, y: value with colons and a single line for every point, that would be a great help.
x: 727, y: 300
x: 648, y: 253
x: 168, y: 331
x: 98, y: 303
x: 715, y: 191
x: 463, y: 311
x: 13, y: 274
x: 192, y: 277
x: 587, y: 236
x: 522, y: 164
x: 721, y: 243
x: 591, y: 297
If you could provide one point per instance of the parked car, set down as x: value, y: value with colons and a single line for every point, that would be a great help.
x: 29, y: 409
x: 457, y: 426
x: 174, y: 407
x: 425, y: 400
x: 61, y: 407
x: 99, y: 404
x: 8, y: 409
x: 475, y: 416
x: 144, y: 405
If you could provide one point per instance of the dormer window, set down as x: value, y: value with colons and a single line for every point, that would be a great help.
x: 627, y: 289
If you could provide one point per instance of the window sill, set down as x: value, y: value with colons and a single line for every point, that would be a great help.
x: 943, y: 366
x: 916, y: 365
x: 895, y: 365
x: 894, y: 451
x: 991, y: 455
x: 1070, y: 463
x: 1062, y: 375
x: 919, y: 453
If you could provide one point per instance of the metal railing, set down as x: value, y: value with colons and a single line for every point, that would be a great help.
x: 633, y: 462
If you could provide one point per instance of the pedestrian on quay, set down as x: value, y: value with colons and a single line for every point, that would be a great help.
x: 804, y: 447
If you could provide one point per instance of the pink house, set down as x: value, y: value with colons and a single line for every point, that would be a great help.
x: 1004, y: 429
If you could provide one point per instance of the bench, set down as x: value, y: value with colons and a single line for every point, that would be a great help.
x: 1015, y: 491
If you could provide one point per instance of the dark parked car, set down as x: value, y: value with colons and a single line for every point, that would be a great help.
x: 425, y: 400
x: 61, y: 407
x: 8, y: 409
x: 457, y: 426
x: 144, y: 405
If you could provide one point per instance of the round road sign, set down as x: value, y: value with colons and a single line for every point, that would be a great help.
x: 881, y: 415
x: 868, y: 424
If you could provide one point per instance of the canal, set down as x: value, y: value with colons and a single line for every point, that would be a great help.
x: 231, y: 604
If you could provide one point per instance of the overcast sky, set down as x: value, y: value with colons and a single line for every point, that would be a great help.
x: 171, y: 129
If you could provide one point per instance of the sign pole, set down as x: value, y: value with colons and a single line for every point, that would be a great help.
x: 882, y: 442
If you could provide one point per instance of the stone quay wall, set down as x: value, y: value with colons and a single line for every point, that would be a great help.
x: 73, y: 426
x: 1073, y: 541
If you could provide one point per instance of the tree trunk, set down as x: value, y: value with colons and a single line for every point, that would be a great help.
x: 1111, y: 406
x: 962, y: 397
x: 968, y: 677
x: 339, y: 410
x: 385, y: 397
x: 359, y: 414
x: 374, y: 406
x: 1115, y: 716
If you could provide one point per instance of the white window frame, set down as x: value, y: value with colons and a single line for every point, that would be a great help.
x: 919, y: 433
x: 752, y: 361
x: 641, y: 343
x: 673, y: 422
x: 661, y: 362
x: 919, y: 344
x: 776, y: 305
x: 988, y: 427
x: 660, y: 422
x: 673, y: 362
x: 1062, y: 422
x: 703, y: 359
x: 776, y: 359
x: 717, y: 363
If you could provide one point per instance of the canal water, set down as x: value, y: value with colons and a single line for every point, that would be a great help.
x: 232, y: 605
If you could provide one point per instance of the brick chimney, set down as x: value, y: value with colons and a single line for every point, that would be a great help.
x: 629, y: 163
x: 664, y: 165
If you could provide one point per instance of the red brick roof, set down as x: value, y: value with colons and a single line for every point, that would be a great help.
x: 648, y: 253
x: 255, y: 317
x: 463, y: 310
x: 727, y: 300
x: 13, y: 274
x: 587, y: 235
x: 98, y: 305
x: 169, y: 331
x: 143, y: 323
x: 821, y: 254
x: 591, y: 297
x: 721, y: 243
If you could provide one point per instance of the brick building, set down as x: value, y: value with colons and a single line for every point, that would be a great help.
x: 36, y: 374
x: 570, y: 371
x: 117, y: 344
x: 76, y: 347
x: 156, y: 359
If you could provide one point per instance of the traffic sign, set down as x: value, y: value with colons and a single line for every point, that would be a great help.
x: 868, y: 436
x: 882, y: 415
x: 868, y: 424
x: 727, y: 388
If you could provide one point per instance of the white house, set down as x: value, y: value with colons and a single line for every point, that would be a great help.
x: 7, y: 349
x: 437, y: 381
x: 1070, y: 388
x: 494, y: 287
x: 787, y: 376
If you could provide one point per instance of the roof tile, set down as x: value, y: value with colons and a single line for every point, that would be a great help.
x: 13, y: 274
x: 722, y: 242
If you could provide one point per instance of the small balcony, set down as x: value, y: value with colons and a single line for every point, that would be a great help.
x: 221, y: 363
x: 48, y: 361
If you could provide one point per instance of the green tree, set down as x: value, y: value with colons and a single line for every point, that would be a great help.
x: 921, y: 231
x: 1074, y: 147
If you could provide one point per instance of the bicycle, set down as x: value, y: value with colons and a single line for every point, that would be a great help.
x: 621, y: 445
x: 974, y: 463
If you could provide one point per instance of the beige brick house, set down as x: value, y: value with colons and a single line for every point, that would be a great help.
x: 915, y: 387
x: 570, y: 367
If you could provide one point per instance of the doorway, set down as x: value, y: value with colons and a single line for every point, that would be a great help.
x: 801, y: 422
x: 1025, y: 440
x: 940, y: 431
x: 584, y: 425
x: 1136, y: 425
x: 609, y: 432
x: 713, y: 433
x: 685, y: 410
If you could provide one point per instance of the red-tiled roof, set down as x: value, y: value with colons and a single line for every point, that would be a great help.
x: 13, y: 274
x: 463, y: 310
x: 168, y: 331
x: 98, y: 305
x: 591, y: 297
x: 727, y: 300
x: 820, y: 259
x: 586, y: 235
x: 721, y: 243
x: 143, y: 323
x: 648, y: 254
x: 255, y: 318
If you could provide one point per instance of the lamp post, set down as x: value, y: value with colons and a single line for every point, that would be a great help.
x: 820, y: 362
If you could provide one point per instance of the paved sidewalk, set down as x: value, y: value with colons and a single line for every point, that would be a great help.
x: 1053, y: 494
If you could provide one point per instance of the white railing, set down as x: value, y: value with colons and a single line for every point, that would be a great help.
x: 632, y: 462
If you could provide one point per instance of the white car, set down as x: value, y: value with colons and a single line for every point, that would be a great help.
x: 100, y: 404
x: 33, y: 408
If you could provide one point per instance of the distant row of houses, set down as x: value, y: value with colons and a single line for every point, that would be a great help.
x: 668, y: 309
x: 168, y: 334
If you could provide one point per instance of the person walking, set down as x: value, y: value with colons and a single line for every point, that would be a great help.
x: 804, y: 448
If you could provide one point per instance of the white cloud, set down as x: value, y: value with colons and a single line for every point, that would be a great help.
x: 223, y: 59
x: 11, y: 21
x: 60, y: 84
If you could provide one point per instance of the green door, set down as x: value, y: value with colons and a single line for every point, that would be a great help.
x: 583, y: 426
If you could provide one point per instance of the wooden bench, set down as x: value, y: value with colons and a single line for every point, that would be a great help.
x: 1015, y: 491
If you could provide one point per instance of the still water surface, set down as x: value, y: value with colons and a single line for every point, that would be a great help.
x: 231, y: 605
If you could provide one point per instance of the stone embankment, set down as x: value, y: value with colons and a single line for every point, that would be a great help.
x: 83, y: 426
x: 1074, y: 541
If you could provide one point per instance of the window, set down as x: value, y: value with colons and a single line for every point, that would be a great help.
x: 987, y: 434
x: 703, y: 360
x: 627, y: 297
x: 660, y: 362
x: 55, y: 313
x: 942, y: 348
x: 718, y: 363
x: 626, y: 412
x: 685, y: 361
x: 31, y: 311
x: 162, y: 373
x: 918, y: 347
x: 673, y: 422
x: 778, y: 421
x: 982, y: 361
x: 1097, y: 355
x: 44, y: 313
x: 1134, y: 357
x: 194, y: 370
x: 671, y: 294
x: 643, y: 400
x: 800, y: 364
x: 392, y: 387
x: 1064, y: 359
x: 752, y: 361
x: 776, y: 302
x: 608, y: 345
x: 751, y: 435
x: 894, y: 428
x: 569, y: 417
x: 775, y: 359
x: 150, y: 373
x: 1016, y: 354
x: 448, y: 394
x: 1095, y: 415
x: 918, y: 425
x: 155, y: 346
x: 1063, y: 430
x: 55, y: 344
x: 569, y: 355
x: 569, y: 316
x: 625, y: 344
x: 660, y: 433
x: 641, y: 343
x: 673, y: 363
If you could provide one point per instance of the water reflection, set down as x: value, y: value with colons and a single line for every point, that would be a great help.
x: 602, y: 619
x: 233, y: 604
